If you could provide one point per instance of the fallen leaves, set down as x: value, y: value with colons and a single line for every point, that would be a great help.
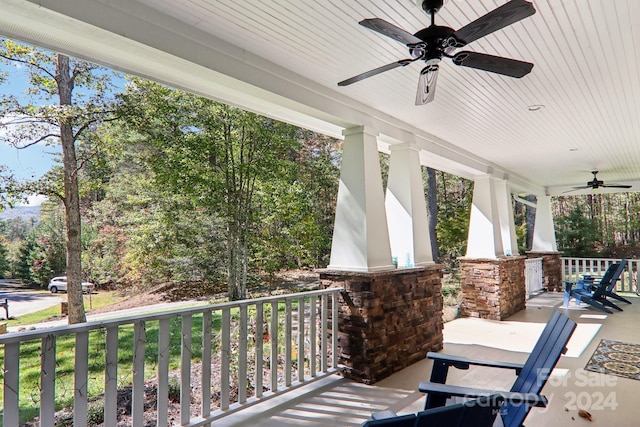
x: 584, y: 414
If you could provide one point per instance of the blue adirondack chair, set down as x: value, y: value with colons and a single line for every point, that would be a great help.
x: 593, y: 293
x: 480, y: 412
x: 610, y: 289
x: 531, y: 376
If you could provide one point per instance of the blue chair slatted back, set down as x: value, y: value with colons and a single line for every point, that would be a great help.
x: 616, y: 275
x: 536, y: 370
x: 609, y: 272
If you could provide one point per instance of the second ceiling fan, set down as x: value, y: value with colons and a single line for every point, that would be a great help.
x: 595, y: 183
x: 433, y: 43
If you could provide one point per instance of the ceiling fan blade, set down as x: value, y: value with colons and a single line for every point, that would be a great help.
x: 584, y: 187
x: 494, y: 64
x: 615, y: 186
x: 376, y: 71
x: 501, y: 17
x: 385, y: 28
x: 427, y: 84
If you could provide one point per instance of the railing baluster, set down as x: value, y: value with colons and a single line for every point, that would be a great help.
x: 242, y: 356
x: 137, y: 393
x: 205, y: 380
x: 259, y: 339
x: 225, y: 358
x: 48, y: 381
x: 186, y: 354
x: 111, y: 377
x: 324, y: 319
x: 81, y: 377
x: 301, y: 329
x: 287, y: 343
x: 334, y: 330
x: 274, y: 346
x: 164, y: 326
x: 312, y: 335
x: 11, y: 385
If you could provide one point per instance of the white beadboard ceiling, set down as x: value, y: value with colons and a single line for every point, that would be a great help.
x: 284, y: 58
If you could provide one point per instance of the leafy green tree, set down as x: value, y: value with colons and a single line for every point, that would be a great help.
x: 297, y: 211
x: 431, y: 186
x: 22, y: 266
x: 81, y: 92
x: 8, y: 187
x: 454, y: 207
x: 576, y: 234
x: 214, y: 156
x: 5, y: 263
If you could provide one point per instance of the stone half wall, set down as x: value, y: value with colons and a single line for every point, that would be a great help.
x: 493, y: 288
x: 387, y: 320
x: 551, y: 269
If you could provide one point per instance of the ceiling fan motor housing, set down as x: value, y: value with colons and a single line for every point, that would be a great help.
x: 436, y: 39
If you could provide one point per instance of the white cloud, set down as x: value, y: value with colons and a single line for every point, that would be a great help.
x: 35, y: 200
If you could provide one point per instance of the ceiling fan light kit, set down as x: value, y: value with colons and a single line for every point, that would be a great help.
x: 433, y: 43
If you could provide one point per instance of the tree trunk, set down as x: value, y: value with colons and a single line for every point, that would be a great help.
x: 432, y: 210
x: 530, y: 218
x: 64, y: 79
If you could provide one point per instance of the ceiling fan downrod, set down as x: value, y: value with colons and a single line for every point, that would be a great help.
x: 431, y: 7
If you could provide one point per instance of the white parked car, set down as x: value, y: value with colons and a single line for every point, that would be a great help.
x: 60, y: 284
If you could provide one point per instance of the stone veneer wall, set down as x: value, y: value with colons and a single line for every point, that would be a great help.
x: 387, y: 320
x: 493, y: 288
x: 551, y: 269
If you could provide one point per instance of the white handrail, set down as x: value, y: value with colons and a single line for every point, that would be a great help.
x: 295, y: 342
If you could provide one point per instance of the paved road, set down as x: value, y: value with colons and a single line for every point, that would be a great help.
x: 23, y: 300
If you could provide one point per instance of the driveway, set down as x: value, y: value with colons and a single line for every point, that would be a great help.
x: 23, y: 300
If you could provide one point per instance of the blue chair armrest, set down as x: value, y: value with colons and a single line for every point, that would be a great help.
x: 464, y: 363
x: 448, y: 390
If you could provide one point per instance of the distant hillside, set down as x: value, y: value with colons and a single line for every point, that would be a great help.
x: 24, y: 212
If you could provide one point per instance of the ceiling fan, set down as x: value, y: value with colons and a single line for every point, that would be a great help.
x: 595, y: 184
x: 434, y: 42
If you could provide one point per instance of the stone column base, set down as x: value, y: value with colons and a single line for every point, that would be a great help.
x: 551, y: 269
x: 387, y: 320
x: 493, y: 288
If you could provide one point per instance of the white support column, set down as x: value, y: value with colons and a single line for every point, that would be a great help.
x: 507, y: 220
x: 406, y: 208
x: 360, y: 235
x: 485, y: 239
x: 544, y: 235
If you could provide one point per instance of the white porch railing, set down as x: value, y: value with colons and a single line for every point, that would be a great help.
x: 533, y: 276
x: 573, y: 268
x: 286, y: 341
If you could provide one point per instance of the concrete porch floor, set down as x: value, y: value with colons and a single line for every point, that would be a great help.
x: 612, y: 400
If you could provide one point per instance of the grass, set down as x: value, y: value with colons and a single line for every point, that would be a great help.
x: 98, y: 300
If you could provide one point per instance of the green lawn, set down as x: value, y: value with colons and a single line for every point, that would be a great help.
x: 98, y: 300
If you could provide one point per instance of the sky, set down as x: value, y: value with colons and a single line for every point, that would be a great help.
x: 31, y: 162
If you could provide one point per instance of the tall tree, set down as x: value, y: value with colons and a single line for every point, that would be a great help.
x: 35, y: 119
x: 5, y: 263
x: 212, y: 157
x: 432, y: 209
